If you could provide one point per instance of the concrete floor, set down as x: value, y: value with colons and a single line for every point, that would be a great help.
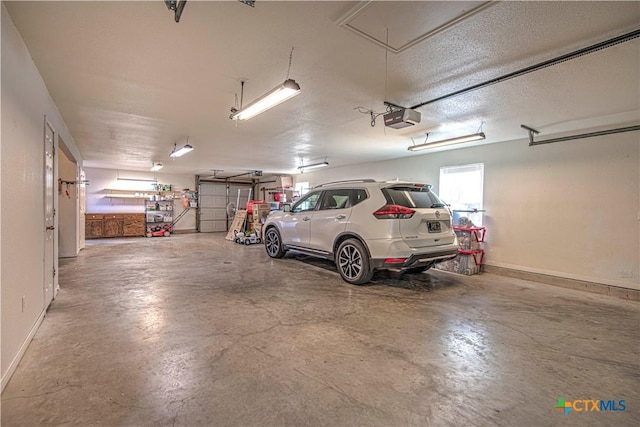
x: 192, y: 330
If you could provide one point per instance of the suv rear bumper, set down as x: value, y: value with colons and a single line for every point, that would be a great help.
x: 416, y: 260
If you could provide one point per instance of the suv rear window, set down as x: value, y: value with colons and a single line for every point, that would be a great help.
x: 412, y: 197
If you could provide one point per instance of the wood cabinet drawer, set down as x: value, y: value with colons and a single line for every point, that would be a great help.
x: 114, y: 216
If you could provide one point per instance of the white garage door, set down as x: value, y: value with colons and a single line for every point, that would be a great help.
x: 213, y: 200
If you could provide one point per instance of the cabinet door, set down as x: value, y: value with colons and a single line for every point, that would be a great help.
x: 113, y: 227
x: 134, y: 225
x: 93, y: 228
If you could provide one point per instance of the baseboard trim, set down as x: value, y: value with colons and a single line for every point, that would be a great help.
x: 591, y: 287
x: 23, y: 348
x: 185, y: 231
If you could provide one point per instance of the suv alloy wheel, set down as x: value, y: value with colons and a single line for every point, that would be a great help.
x: 273, y: 243
x: 352, y: 261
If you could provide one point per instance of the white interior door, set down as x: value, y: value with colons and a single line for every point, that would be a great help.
x: 49, y: 214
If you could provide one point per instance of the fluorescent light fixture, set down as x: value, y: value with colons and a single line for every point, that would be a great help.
x: 458, y: 140
x: 279, y: 94
x: 181, y: 151
x: 156, y: 167
x: 136, y: 180
x: 313, y: 166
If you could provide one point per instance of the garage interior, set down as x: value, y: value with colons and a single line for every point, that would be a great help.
x: 104, y: 325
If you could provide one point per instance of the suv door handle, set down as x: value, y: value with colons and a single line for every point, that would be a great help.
x: 341, y: 216
x: 306, y: 218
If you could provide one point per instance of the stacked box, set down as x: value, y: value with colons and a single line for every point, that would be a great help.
x: 467, y: 264
x: 468, y: 239
x: 260, y: 212
x: 470, y: 253
x: 257, y: 227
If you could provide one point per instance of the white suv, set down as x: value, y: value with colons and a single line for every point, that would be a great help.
x: 365, y: 225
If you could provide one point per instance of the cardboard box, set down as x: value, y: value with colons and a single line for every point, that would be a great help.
x: 257, y: 227
x: 466, y: 264
x: 284, y: 181
x: 260, y: 212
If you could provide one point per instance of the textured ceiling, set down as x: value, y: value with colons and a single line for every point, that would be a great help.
x: 401, y: 25
x: 130, y: 82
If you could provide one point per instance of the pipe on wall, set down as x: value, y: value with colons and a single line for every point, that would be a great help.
x: 580, y: 136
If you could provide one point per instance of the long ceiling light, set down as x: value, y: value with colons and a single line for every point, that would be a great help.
x: 313, y: 166
x: 181, y: 151
x: 136, y: 179
x: 277, y: 95
x: 458, y: 140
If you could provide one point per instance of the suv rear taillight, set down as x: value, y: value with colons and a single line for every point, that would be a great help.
x: 394, y: 212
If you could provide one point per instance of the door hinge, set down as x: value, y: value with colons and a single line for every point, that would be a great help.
x: 54, y: 272
x: 54, y: 211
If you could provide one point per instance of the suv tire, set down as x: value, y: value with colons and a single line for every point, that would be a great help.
x: 273, y: 243
x: 352, y: 261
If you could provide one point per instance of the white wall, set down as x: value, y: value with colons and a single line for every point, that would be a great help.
x: 25, y: 103
x: 567, y: 209
x: 102, y: 180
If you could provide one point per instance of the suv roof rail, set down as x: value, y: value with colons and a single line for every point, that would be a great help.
x: 407, y: 183
x: 344, y: 182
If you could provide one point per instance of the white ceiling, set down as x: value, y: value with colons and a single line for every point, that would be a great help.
x: 130, y: 81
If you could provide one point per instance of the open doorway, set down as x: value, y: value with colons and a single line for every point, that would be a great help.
x: 70, y: 239
x: 67, y: 206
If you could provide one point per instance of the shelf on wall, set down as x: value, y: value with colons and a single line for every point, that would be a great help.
x: 117, y: 193
x: 125, y: 196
